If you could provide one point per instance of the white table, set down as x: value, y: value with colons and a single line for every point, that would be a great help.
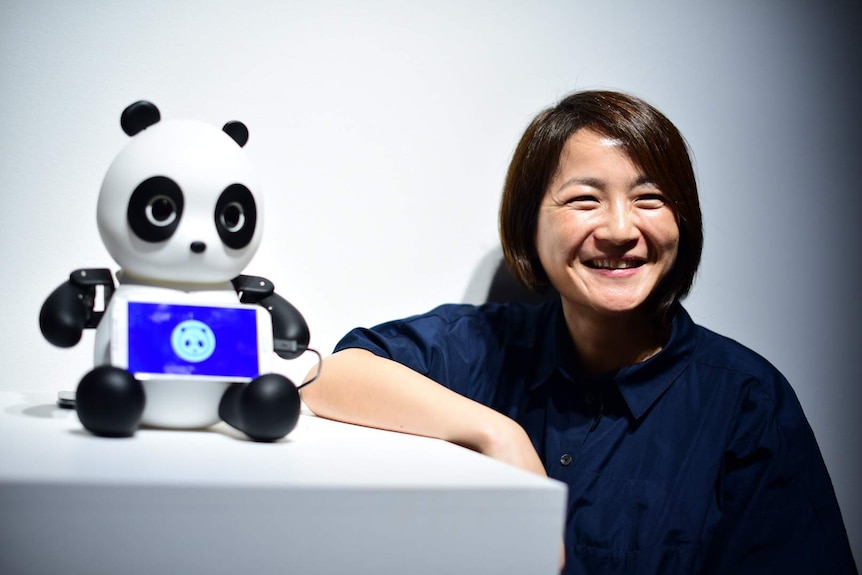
x: 330, y: 499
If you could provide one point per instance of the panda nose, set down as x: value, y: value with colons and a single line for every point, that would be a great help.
x: 198, y: 247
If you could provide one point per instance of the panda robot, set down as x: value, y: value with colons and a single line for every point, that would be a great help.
x: 184, y: 339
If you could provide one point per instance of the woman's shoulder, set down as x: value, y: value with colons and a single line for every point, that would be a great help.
x: 453, y: 339
x: 738, y: 362
x: 517, y: 320
x: 763, y: 395
x: 450, y: 323
x: 512, y: 323
x: 504, y: 314
x: 724, y: 352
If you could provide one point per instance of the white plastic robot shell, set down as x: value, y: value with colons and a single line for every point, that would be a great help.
x: 180, y: 211
x: 180, y: 404
x: 202, y: 161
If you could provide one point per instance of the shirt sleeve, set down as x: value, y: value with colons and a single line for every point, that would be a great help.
x: 778, y: 511
x: 454, y: 345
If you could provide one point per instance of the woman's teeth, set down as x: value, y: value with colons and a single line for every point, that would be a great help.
x: 608, y: 264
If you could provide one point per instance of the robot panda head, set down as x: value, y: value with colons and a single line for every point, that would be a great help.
x: 180, y: 203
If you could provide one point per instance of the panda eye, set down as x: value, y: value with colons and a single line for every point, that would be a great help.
x: 155, y: 209
x: 232, y: 217
x: 161, y: 211
x: 236, y: 216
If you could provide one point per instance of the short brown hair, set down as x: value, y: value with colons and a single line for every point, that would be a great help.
x: 652, y: 142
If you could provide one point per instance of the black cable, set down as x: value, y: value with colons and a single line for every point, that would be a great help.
x: 319, y: 363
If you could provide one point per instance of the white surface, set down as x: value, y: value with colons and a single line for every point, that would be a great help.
x: 382, y: 131
x: 330, y: 498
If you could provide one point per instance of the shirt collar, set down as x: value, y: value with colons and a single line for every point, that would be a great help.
x: 641, y: 384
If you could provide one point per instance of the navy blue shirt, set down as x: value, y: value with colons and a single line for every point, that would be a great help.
x: 698, y: 460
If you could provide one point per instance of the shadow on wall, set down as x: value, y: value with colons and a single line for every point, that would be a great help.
x: 492, y: 281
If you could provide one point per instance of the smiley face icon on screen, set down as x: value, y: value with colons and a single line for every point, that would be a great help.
x: 193, y: 340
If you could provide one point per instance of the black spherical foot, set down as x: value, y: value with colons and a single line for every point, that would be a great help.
x: 110, y: 402
x: 265, y: 409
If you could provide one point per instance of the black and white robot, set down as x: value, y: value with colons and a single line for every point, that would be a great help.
x: 180, y: 211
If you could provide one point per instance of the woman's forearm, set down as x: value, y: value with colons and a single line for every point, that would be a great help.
x: 359, y: 387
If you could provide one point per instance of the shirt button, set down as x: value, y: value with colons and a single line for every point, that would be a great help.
x: 589, y: 399
x: 565, y: 459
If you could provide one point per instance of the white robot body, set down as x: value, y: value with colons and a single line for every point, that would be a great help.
x: 181, y: 403
x: 185, y: 340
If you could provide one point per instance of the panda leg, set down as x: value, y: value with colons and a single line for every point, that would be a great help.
x: 110, y: 402
x: 265, y: 409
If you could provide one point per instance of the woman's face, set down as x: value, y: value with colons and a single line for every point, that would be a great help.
x: 606, y: 236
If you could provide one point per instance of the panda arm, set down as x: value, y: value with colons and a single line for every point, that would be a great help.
x: 70, y: 309
x: 289, y: 330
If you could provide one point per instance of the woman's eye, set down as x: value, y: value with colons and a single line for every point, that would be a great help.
x: 650, y: 201
x: 583, y: 201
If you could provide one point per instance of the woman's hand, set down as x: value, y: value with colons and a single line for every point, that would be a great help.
x: 504, y: 440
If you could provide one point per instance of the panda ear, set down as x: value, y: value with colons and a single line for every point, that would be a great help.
x: 237, y: 131
x: 139, y: 116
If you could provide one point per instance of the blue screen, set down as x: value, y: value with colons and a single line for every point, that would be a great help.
x: 192, y: 340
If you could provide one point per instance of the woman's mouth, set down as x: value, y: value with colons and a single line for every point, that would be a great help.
x: 614, y: 263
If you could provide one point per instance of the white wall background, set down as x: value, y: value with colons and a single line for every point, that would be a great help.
x: 382, y: 130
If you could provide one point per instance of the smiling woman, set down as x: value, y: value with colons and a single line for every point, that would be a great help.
x: 683, y: 451
x: 606, y: 238
x: 639, y: 140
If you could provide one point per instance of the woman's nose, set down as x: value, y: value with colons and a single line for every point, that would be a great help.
x: 617, y: 225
